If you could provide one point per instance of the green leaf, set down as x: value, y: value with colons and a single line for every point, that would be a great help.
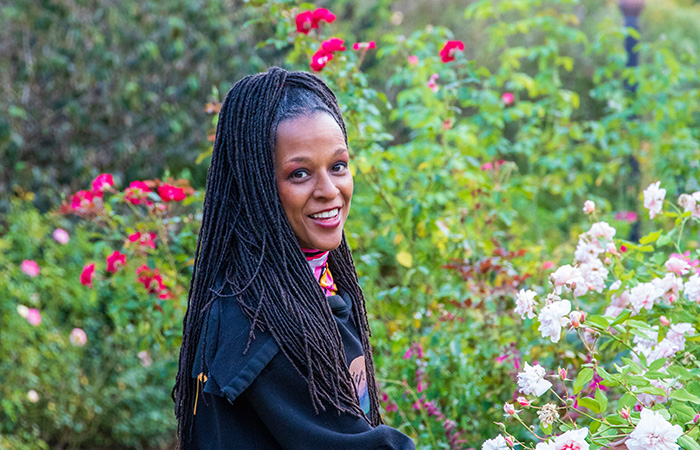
x: 622, y: 317
x: 666, y: 238
x: 656, y: 365
x: 688, y: 443
x: 601, y: 399
x: 591, y: 404
x: 600, y: 322
x: 628, y: 400
x: 683, y: 411
x: 584, y: 376
x: 651, y: 237
x: 684, y: 396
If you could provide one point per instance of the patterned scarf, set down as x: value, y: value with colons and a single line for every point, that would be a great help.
x: 318, y: 261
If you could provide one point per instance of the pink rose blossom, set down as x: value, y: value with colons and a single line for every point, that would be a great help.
x: 588, y: 207
x: 653, y: 432
x: 654, y: 198
x: 507, y: 98
x: 33, y: 316
x: 413, y: 60
x: 102, y: 182
x: 78, y: 337
x: 677, y: 265
x: 626, y: 216
x: 432, y: 84
x: 61, y: 236
x: 30, y: 267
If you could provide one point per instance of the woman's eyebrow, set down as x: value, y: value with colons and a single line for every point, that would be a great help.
x: 305, y: 159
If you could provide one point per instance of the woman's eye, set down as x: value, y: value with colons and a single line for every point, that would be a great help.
x: 340, y: 166
x: 299, y: 174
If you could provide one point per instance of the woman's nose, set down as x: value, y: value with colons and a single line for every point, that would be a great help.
x: 325, y: 187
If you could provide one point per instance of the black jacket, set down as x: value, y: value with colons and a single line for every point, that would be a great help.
x: 257, y: 400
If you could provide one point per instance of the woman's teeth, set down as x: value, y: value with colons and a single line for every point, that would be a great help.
x: 326, y: 214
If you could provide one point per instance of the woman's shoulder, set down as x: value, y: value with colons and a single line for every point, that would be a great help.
x: 232, y: 358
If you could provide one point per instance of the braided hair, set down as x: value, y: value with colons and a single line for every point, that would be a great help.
x: 246, y: 234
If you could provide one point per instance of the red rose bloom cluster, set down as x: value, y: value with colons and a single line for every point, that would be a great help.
x: 169, y: 193
x: 144, y: 239
x: 115, y: 261
x: 309, y: 20
x: 152, y: 281
x: 325, y: 53
x: 137, y: 192
x: 448, y: 51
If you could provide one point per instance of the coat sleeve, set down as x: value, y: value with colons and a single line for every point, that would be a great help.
x: 281, y: 399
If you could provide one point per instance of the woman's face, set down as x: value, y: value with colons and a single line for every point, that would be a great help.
x: 313, y: 179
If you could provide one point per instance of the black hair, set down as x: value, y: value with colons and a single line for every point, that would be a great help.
x: 246, y: 234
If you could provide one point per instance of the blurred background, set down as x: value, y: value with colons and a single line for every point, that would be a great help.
x: 466, y: 188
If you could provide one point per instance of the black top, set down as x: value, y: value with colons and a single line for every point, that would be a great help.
x: 257, y: 400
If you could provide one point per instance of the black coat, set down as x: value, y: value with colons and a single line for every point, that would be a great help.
x: 257, y: 400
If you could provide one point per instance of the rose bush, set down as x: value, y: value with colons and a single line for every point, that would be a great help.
x: 632, y: 377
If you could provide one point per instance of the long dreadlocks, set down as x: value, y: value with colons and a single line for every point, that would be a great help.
x: 245, y: 233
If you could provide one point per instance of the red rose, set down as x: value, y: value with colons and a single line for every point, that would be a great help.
x: 322, y: 14
x: 115, y: 261
x: 82, y: 200
x: 87, y: 275
x: 102, y: 182
x: 364, y: 45
x: 150, y: 278
x: 319, y: 59
x: 136, y: 192
x: 333, y: 44
x: 304, y: 22
x: 171, y: 193
x: 307, y: 20
x: 144, y: 239
x: 448, y: 51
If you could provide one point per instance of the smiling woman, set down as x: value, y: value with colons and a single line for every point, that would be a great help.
x: 275, y: 351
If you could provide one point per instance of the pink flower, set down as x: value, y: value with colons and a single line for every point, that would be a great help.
x: 384, y: 397
x: 137, y: 192
x: 82, y: 200
x: 509, y: 409
x: 32, y: 396
x: 30, y: 267
x: 676, y: 265
x: 144, y: 239
x: 487, y: 166
x: 170, y: 193
x: 61, y: 236
x: 87, y: 275
x: 626, y: 216
x: 588, y: 207
x: 391, y: 407
x: 653, y: 432
x: 33, y: 316
x: 664, y: 321
x: 413, y: 60
x: 115, y: 261
x: 333, y: 44
x: 507, y: 98
x: 78, y: 337
x: 522, y: 401
x: 547, y: 265
x: 432, y: 82
x: 654, y: 198
x: 364, y: 45
x: 449, y: 50
x: 102, y: 182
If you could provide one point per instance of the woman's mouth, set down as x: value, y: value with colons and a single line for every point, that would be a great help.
x: 327, y: 219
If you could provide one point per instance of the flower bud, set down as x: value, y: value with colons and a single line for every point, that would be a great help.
x: 576, y: 318
x: 509, y: 441
x: 523, y: 401
x: 625, y: 412
x: 696, y: 419
x: 569, y: 402
x: 664, y: 321
x: 607, y: 261
x: 562, y: 374
x: 588, y: 207
x: 509, y: 408
x: 610, y: 248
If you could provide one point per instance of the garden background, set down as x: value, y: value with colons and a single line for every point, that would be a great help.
x: 471, y: 170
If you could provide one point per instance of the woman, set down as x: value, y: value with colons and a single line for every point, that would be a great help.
x: 275, y: 351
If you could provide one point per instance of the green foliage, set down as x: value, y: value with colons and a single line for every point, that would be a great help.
x: 461, y: 196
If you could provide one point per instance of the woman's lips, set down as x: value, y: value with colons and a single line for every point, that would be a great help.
x: 327, y: 222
